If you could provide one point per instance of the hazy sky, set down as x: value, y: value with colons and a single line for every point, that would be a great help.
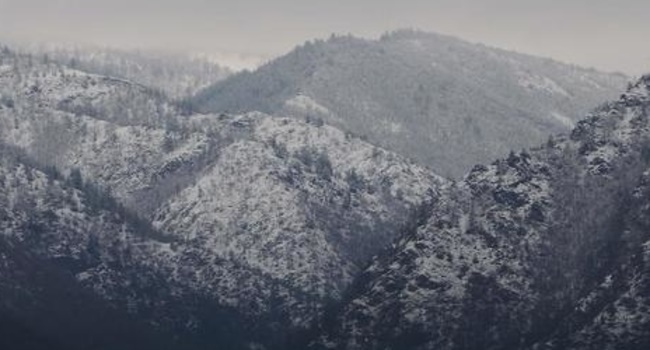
x: 607, y: 34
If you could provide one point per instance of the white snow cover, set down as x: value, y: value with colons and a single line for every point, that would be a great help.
x: 540, y: 83
x: 566, y: 121
x: 306, y: 104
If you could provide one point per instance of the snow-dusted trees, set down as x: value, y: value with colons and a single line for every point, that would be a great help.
x: 314, y: 160
x: 446, y: 103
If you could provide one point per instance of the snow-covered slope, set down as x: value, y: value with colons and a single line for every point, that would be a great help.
x: 300, y: 202
x: 239, y: 231
x: 265, y: 217
x: 546, y: 247
x: 447, y: 103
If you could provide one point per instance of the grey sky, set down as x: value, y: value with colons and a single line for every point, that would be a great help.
x: 607, y: 34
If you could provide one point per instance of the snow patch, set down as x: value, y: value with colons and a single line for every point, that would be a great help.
x: 537, y: 82
x: 566, y: 121
x: 306, y: 104
x: 5, y: 68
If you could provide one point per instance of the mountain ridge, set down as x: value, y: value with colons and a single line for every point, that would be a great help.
x: 418, y: 93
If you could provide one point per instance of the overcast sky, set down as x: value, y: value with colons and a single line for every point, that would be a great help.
x: 607, y: 34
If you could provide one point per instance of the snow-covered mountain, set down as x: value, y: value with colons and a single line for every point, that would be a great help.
x: 546, y: 249
x: 444, y: 102
x: 263, y: 218
x: 258, y: 231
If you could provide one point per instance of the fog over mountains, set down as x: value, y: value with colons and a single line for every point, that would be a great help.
x: 331, y: 199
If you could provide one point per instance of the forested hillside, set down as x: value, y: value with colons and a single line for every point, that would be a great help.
x: 545, y: 249
x: 262, y: 218
x: 444, y: 102
x: 290, y: 231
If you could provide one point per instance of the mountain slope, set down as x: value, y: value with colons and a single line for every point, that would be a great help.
x: 264, y: 219
x: 44, y: 307
x: 447, y: 103
x: 239, y: 231
x: 51, y: 236
x: 285, y: 188
x: 75, y: 250
x: 547, y: 248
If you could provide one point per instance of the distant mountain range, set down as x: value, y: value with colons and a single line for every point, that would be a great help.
x: 175, y: 74
x: 444, y: 102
